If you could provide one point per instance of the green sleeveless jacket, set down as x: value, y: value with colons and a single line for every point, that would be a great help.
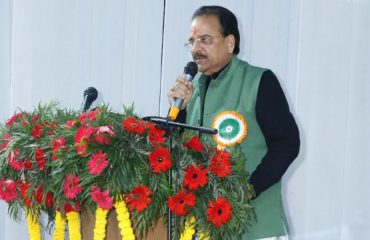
x: 235, y: 89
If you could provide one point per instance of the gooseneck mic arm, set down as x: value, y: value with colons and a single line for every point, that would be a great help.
x: 165, y: 121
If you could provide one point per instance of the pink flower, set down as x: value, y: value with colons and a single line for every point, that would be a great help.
x: 70, y: 123
x: 71, y: 186
x: 97, y: 163
x: 58, y: 145
x: 103, y: 199
x: 13, y: 160
x: 8, y: 190
x: 6, y: 140
x: 103, y: 134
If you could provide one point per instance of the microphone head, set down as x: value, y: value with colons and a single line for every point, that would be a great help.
x: 91, y: 94
x: 191, y: 68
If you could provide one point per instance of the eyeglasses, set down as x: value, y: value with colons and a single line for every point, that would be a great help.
x: 205, y: 40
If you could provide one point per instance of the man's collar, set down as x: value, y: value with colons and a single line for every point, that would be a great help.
x: 216, y: 74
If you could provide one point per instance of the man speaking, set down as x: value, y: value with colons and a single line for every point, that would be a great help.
x: 232, y: 89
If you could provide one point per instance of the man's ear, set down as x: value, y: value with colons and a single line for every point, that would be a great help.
x: 230, y: 43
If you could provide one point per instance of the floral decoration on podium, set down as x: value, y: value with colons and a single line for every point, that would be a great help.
x: 56, y: 161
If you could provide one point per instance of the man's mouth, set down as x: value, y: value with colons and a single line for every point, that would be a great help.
x: 197, y: 57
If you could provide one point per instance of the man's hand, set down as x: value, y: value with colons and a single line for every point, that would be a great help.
x: 182, y: 89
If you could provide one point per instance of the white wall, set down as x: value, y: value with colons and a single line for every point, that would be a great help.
x: 318, y: 49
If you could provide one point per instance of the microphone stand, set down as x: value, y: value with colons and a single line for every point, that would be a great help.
x: 170, y: 125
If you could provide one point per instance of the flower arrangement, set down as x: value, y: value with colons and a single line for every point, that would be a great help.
x: 55, y: 160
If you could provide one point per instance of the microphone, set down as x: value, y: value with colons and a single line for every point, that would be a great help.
x: 90, y: 95
x: 190, y: 70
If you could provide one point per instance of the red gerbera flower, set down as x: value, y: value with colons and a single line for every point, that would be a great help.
x: 195, y: 177
x: 160, y: 160
x: 8, y: 190
x: 6, y: 140
x: 71, y: 186
x: 90, y: 116
x: 24, y: 187
x: 13, y: 160
x: 97, y: 163
x: 156, y: 136
x: 70, y: 207
x: 14, y: 118
x: 133, y: 125
x: 52, y: 126
x: 103, y: 199
x: 27, y: 164
x: 220, y: 164
x: 181, y: 202
x: 35, y: 118
x: 38, y: 192
x: 49, y: 200
x: 40, y: 159
x: 195, y: 144
x: 59, y: 144
x: 36, y: 131
x: 82, y: 140
x: 149, y: 125
x: 219, y: 212
x: 139, y: 198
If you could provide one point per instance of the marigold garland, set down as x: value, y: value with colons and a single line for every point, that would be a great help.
x: 189, y: 229
x: 124, y: 222
x: 74, y: 225
x: 203, y: 236
x: 100, y: 223
x: 33, y: 227
x: 60, y: 225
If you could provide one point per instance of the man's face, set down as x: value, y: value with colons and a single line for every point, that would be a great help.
x: 211, y: 51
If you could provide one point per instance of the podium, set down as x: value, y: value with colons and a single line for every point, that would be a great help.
x: 113, y: 233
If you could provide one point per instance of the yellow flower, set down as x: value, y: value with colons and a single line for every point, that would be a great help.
x: 74, y: 225
x: 100, y: 222
x: 60, y: 225
x: 203, y: 236
x: 189, y: 229
x: 33, y: 227
x: 124, y: 222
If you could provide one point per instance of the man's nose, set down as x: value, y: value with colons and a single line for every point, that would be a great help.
x: 196, y: 46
